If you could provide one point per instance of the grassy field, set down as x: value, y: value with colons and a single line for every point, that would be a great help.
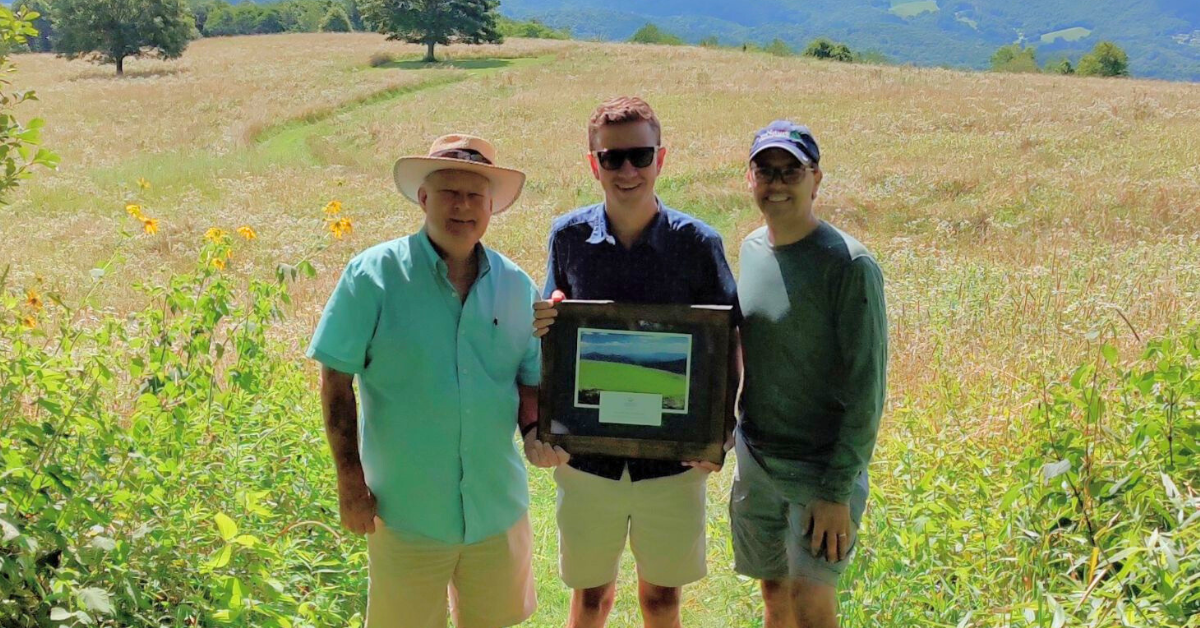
x: 597, y: 375
x: 1036, y: 234
x: 913, y: 8
x: 1067, y: 34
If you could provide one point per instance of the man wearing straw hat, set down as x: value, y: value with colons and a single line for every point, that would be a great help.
x: 435, y: 327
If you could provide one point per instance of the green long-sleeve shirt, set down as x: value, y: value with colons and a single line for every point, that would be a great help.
x: 815, y: 347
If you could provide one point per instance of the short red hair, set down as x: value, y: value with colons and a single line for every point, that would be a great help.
x: 622, y: 110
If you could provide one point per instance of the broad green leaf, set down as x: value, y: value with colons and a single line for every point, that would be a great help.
x: 1054, y: 469
x: 226, y: 526
x: 96, y: 600
x: 222, y: 558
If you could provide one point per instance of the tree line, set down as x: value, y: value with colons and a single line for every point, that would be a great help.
x: 820, y: 48
x: 113, y: 31
x: 1106, y: 59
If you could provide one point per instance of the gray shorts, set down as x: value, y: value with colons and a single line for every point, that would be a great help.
x: 768, y: 510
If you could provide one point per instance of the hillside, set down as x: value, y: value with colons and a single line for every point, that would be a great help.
x: 1161, y: 36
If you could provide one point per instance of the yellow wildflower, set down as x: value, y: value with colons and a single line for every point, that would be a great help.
x: 150, y: 225
x: 29, y: 322
x: 215, y: 234
x: 218, y: 263
x: 340, y: 227
x: 246, y: 232
x: 333, y: 208
x: 33, y: 300
x: 134, y: 210
x: 143, y: 183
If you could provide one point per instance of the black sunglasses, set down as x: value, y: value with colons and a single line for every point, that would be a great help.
x: 614, y: 158
x: 464, y: 154
x: 790, y: 175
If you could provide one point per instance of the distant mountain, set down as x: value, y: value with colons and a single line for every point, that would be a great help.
x: 1162, y: 37
x: 662, y: 362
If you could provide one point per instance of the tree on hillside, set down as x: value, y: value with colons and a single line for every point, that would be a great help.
x: 710, y: 42
x: 778, y: 48
x: 1014, y: 58
x: 822, y: 48
x: 1106, y: 59
x: 336, y: 21
x: 433, y: 22
x: 1060, y: 66
x: 651, y: 34
x: 114, y: 30
x: 42, y: 24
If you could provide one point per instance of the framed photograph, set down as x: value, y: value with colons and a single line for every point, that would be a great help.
x: 638, y: 381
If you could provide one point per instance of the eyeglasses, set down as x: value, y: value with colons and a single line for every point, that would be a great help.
x: 465, y: 154
x: 789, y: 176
x: 614, y: 158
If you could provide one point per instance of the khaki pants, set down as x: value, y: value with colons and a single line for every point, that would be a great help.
x: 489, y: 584
x: 663, y: 519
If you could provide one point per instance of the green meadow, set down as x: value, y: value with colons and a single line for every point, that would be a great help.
x: 596, y: 375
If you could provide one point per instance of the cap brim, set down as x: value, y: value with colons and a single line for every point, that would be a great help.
x: 410, y: 173
x: 790, y: 147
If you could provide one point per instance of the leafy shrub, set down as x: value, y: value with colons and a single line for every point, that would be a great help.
x: 651, y: 34
x: 822, y: 48
x: 532, y: 29
x: 154, y: 471
x: 1106, y: 59
x: 336, y: 20
x: 779, y: 49
x: 1014, y: 58
x: 380, y: 59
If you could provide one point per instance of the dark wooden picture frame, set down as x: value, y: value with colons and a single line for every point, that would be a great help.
x: 695, y: 429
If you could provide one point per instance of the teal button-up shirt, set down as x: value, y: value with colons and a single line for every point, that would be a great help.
x: 437, y: 383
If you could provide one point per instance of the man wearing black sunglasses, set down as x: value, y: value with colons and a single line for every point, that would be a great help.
x: 814, y: 342
x: 630, y: 248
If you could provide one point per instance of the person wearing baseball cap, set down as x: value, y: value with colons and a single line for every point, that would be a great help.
x: 436, y: 329
x: 814, y: 342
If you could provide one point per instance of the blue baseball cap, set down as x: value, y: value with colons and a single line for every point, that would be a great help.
x: 796, y: 139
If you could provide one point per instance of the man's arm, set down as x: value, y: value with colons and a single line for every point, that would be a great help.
x: 355, y: 501
x: 862, y: 336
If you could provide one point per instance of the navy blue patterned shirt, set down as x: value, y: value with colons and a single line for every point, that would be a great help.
x: 677, y: 260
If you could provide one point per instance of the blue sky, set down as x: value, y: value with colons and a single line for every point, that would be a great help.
x: 654, y: 346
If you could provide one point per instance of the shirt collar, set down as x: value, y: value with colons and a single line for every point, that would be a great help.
x: 438, y: 266
x: 598, y: 221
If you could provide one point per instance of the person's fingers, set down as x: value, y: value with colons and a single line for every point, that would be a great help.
x: 557, y: 295
x: 563, y: 456
x: 542, y: 305
x: 843, y: 546
x: 544, y: 313
x: 832, y: 541
x: 818, y: 536
x: 369, y: 526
